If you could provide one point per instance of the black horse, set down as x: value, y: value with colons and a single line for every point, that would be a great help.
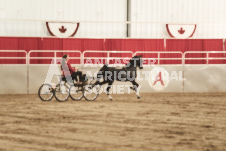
x: 127, y: 73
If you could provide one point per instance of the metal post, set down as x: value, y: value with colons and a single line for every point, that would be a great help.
x: 108, y: 55
x: 54, y: 57
x: 183, y: 58
x: 158, y: 58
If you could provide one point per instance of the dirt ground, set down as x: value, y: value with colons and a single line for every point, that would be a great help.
x: 159, y: 121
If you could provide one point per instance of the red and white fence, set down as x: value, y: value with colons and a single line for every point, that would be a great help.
x: 111, y: 57
x: 205, y: 57
x: 159, y: 57
x: 13, y: 57
x: 53, y: 56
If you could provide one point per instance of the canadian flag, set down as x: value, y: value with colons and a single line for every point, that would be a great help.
x: 181, y: 31
x: 61, y: 29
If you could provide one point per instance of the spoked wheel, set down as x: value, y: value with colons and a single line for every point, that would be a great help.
x: 76, y: 92
x: 62, y: 92
x: 91, y: 91
x: 46, y: 92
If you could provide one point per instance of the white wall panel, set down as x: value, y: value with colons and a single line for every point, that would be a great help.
x: 65, y: 10
x: 209, y: 15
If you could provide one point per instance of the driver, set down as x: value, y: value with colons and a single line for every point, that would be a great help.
x: 68, y: 70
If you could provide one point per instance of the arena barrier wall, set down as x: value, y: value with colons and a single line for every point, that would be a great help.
x: 205, y: 78
x: 23, y: 79
x: 13, y: 79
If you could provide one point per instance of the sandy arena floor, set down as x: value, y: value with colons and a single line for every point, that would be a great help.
x: 166, y: 121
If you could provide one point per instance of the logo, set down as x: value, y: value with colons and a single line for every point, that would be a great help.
x: 62, y: 29
x: 181, y: 31
x: 158, y: 78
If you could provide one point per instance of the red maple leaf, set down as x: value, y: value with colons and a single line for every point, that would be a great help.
x: 181, y: 31
x: 62, y: 29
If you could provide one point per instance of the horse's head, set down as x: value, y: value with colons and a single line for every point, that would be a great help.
x: 137, y: 61
x: 140, y: 64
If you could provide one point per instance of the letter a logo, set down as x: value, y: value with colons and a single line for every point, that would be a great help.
x: 159, y: 78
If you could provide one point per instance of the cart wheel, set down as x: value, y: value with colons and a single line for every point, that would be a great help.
x: 76, y: 92
x: 91, y: 92
x: 62, y: 92
x: 46, y: 92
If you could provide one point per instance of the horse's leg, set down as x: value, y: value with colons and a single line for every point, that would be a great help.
x: 135, y: 86
x: 108, y: 88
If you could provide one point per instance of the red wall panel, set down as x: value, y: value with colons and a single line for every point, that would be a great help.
x: 19, y: 43
x: 184, y: 45
x: 7, y: 43
x: 135, y: 44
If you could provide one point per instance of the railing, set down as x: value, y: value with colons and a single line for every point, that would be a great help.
x: 108, y: 56
x: 206, y: 56
x: 55, y: 56
x: 159, y: 58
x: 11, y: 57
